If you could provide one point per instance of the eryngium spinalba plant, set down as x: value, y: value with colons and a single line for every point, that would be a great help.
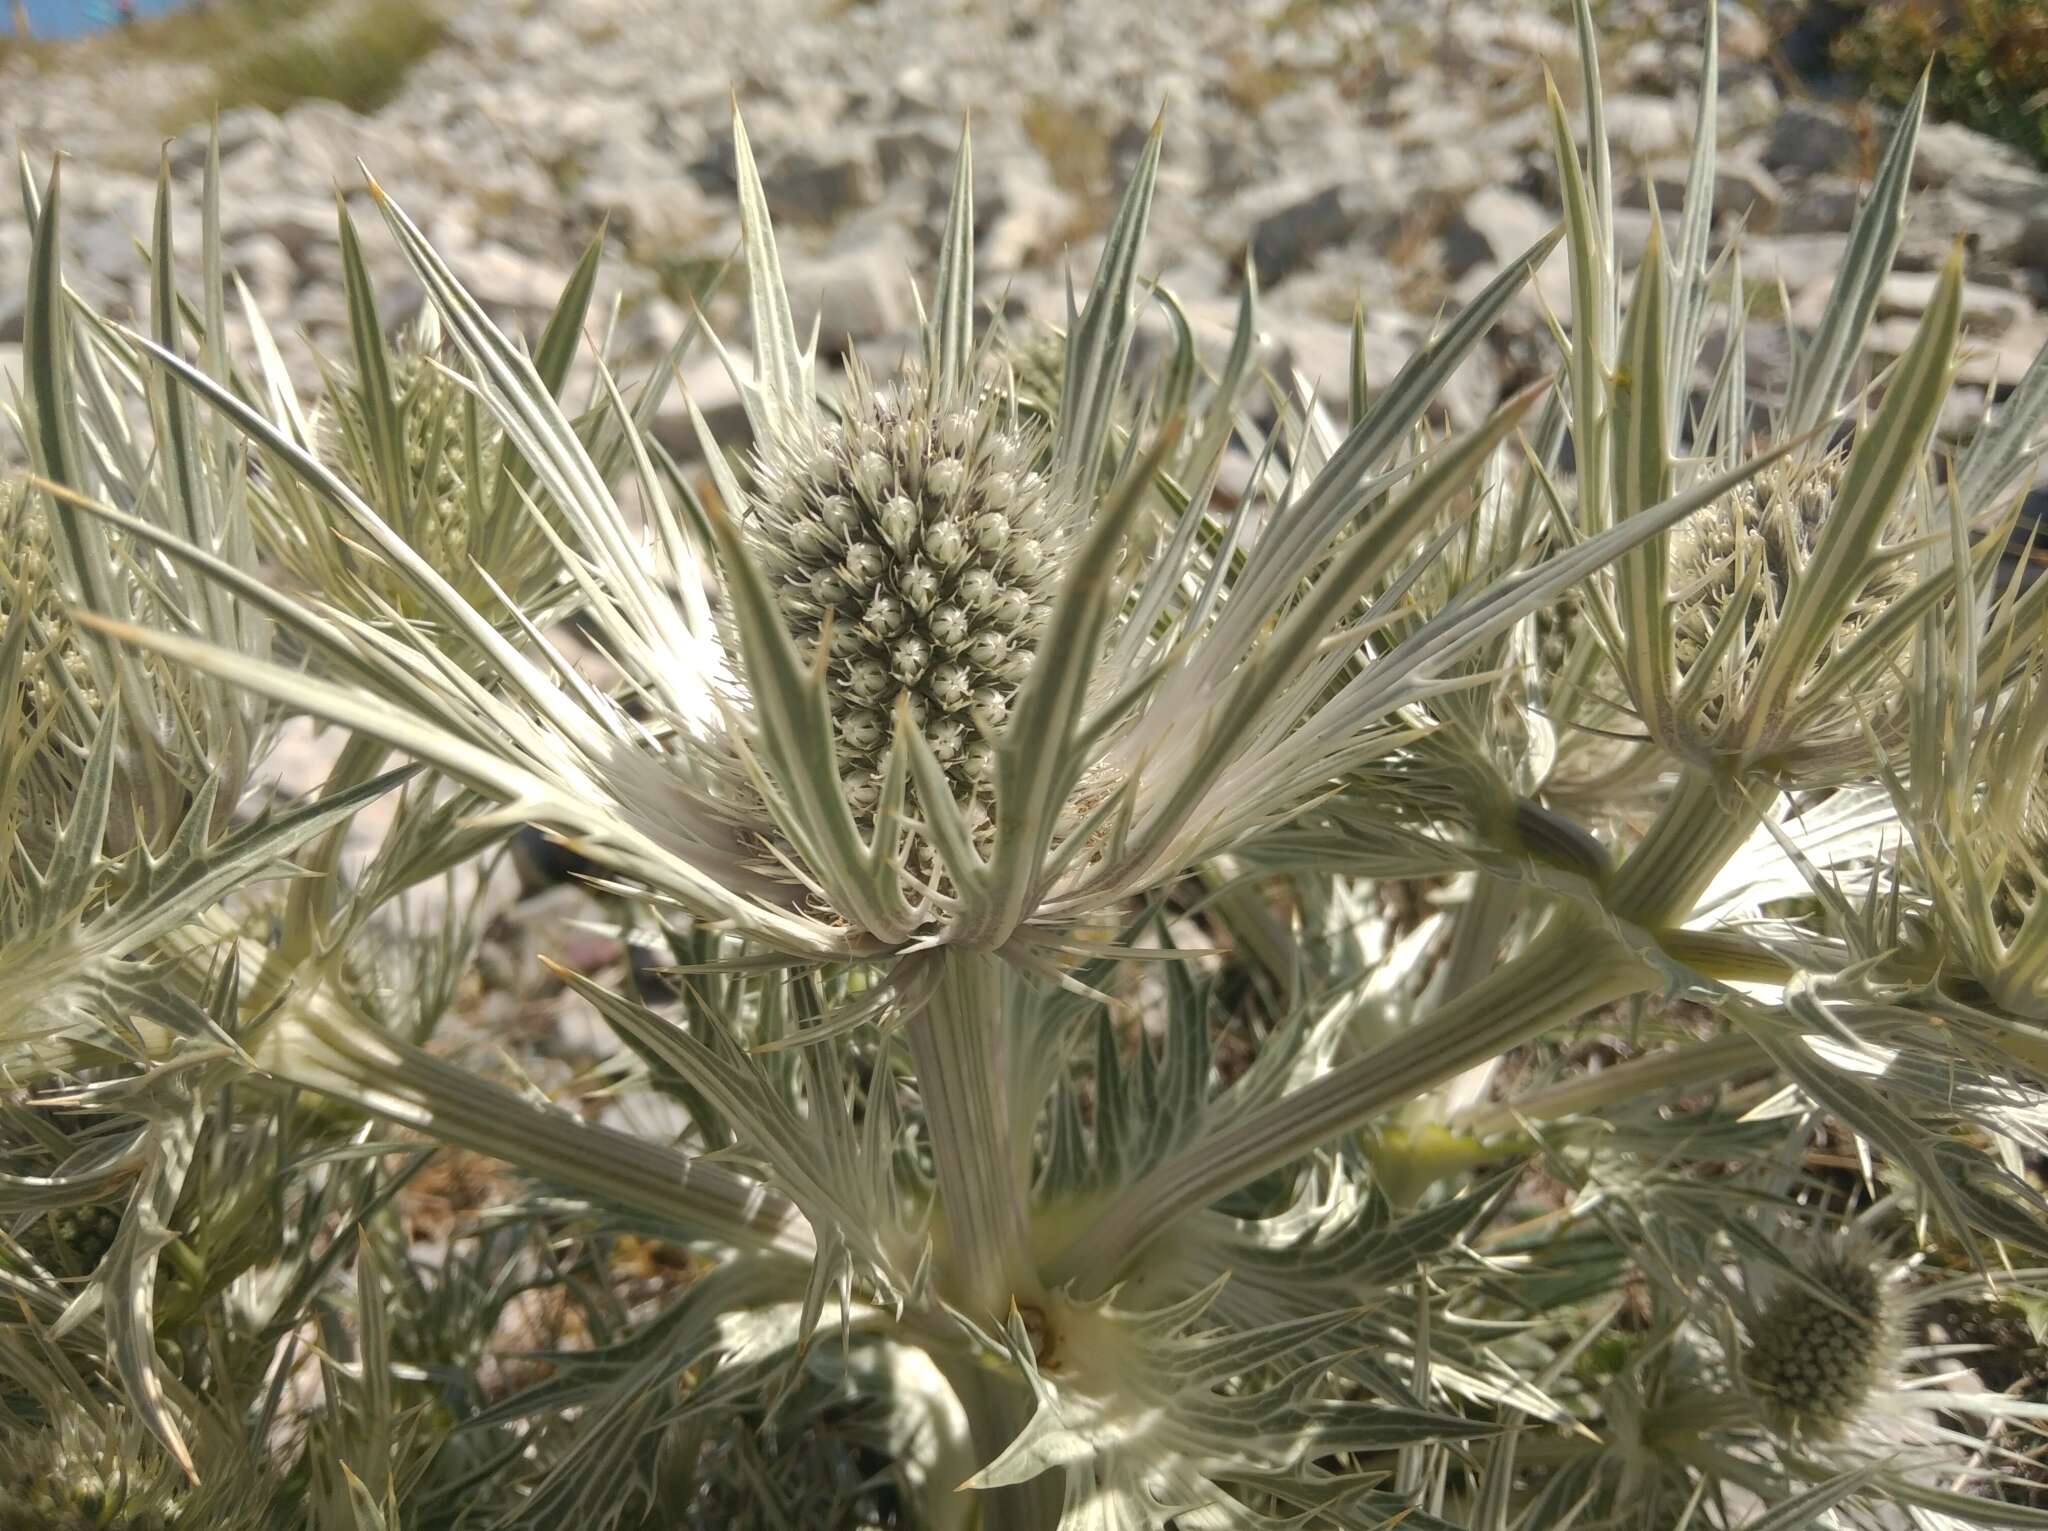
x: 1131, y: 948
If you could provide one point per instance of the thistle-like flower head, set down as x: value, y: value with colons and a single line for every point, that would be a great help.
x: 977, y: 670
x: 1819, y: 1347
x: 914, y: 541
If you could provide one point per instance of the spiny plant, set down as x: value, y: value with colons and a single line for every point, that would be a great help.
x: 1134, y: 953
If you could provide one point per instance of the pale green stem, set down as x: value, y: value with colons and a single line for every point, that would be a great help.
x: 1704, y: 821
x: 1568, y: 969
x: 1481, y: 928
x: 957, y: 1046
x: 1692, y: 1066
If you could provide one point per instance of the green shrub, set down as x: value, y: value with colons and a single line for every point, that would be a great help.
x: 1990, y: 61
x: 356, y: 52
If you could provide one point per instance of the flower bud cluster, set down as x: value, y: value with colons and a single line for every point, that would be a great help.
x: 437, y: 458
x: 1737, y: 561
x: 52, y: 1482
x: 1815, y: 1359
x: 922, y: 548
x: 73, y: 1241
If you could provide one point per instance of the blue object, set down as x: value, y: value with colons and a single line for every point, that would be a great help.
x: 70, y: 18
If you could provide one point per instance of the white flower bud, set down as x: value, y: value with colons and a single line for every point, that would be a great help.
x: 885, y: 615
x: 871, y: 475
x: 810, y: 540
x: 908, y: 658
x: 950, y: 685
x: 795, y: 603
x: 862, y: 790
x: 836, y: 514
x: 1024, y: 556
x: 980, y: 590
x: 1005, y: 455
x: 988, y: 648
x: 944, y: 477
x: 948, y: 626
x: 920, y: 587
x: 991, y: 709
x: 998, y: 491
x: 868, y: 680
x: 899, y: 520
x: 863, y: 731
x: 864, y: 564
x: 1012, y: 606
x: 944, y: 545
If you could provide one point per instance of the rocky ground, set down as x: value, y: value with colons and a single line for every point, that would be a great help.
x: 1388, y: 153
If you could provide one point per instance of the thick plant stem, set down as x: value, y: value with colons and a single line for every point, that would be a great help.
x: 1702, y: 823
x: 957, y: 1047
x: 1569, y: 968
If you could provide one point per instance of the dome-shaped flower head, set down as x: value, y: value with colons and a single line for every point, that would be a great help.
x: 920, y: 549
x: 964, y: 677
x: 1821, y: 1345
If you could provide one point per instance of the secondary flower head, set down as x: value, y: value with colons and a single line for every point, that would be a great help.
x: 1822, y: 1345
x: 1753, y: 637
x: 441, y: 449
x: 407, y: 432
x: 65, y: 1479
